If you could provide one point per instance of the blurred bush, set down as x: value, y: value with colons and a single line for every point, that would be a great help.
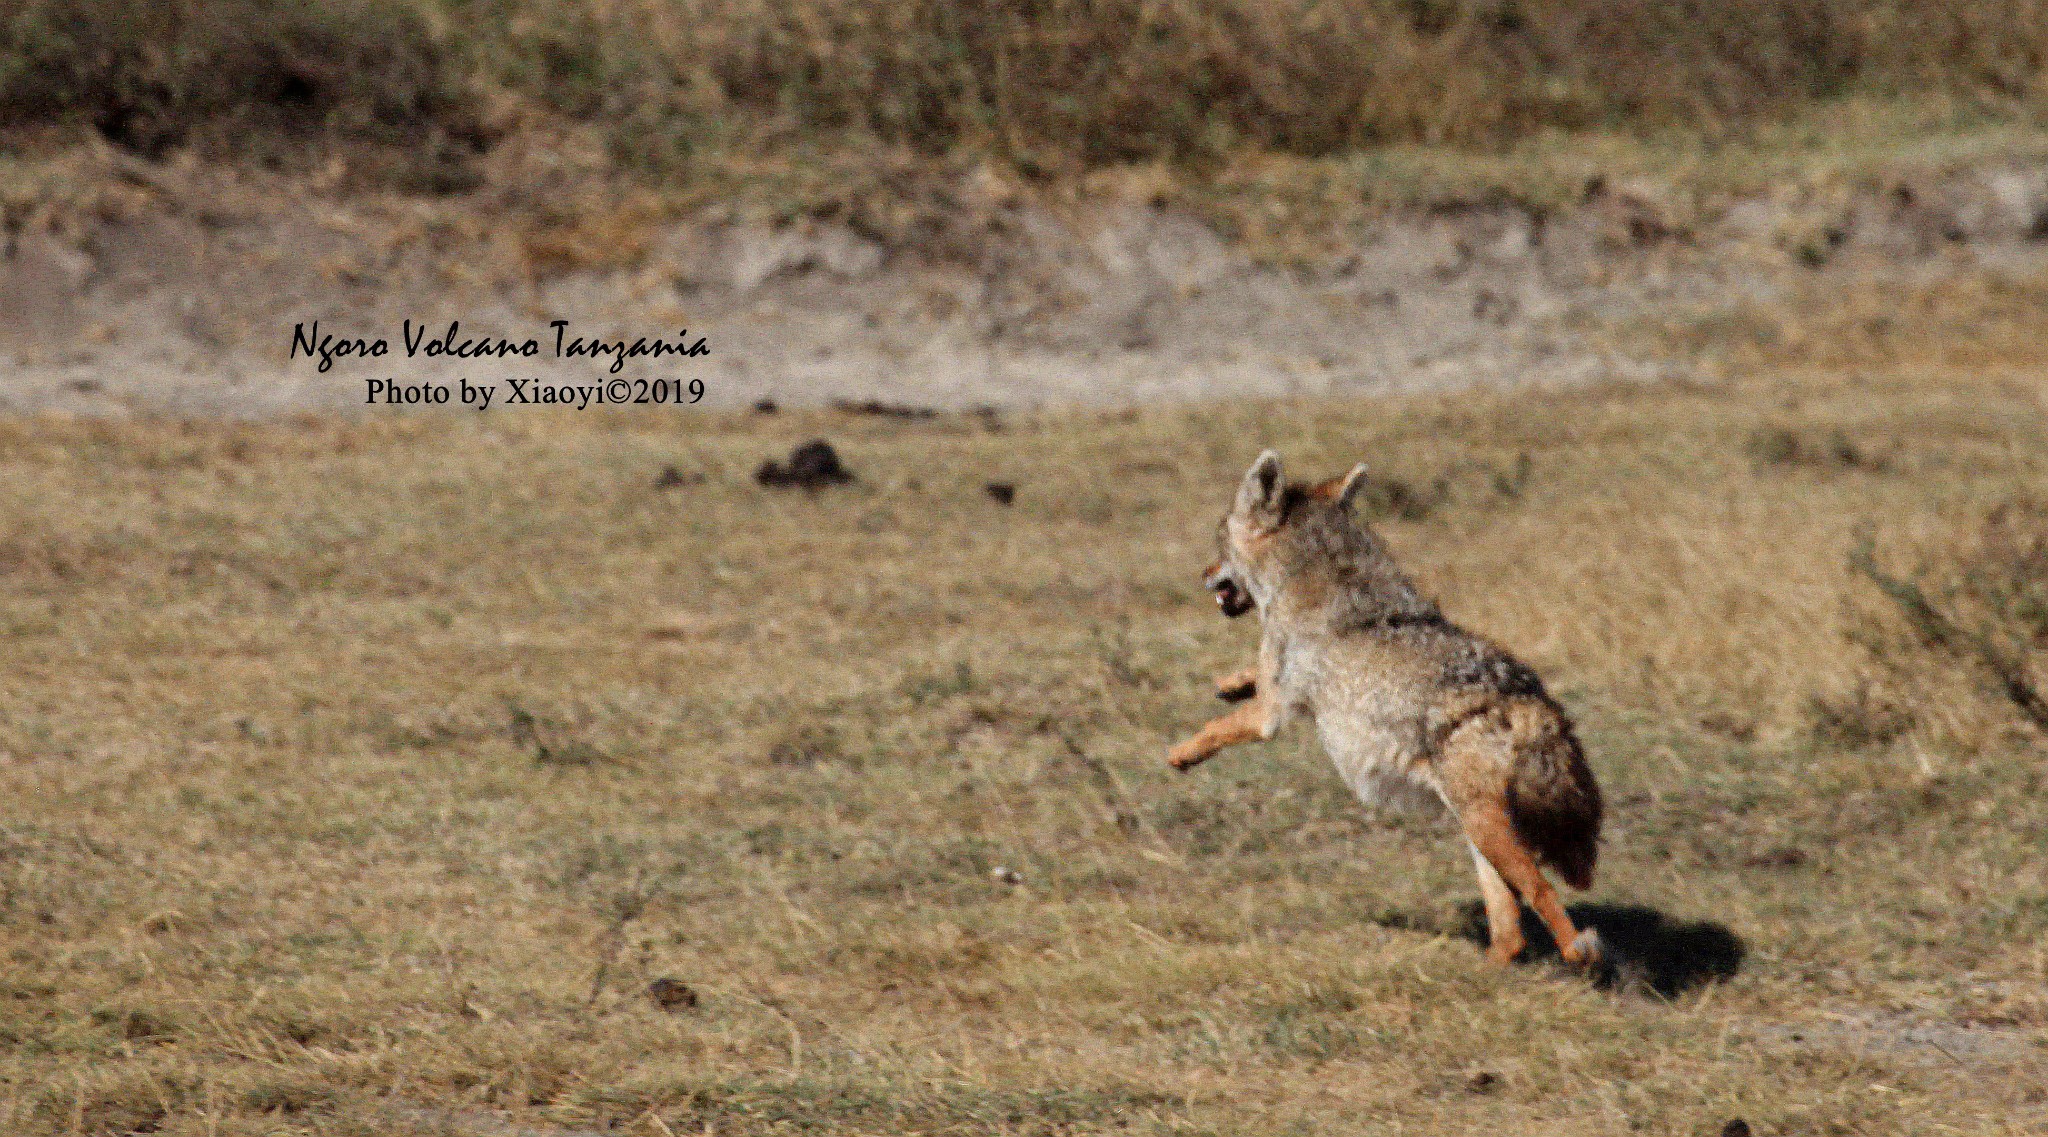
x: 149, y: 75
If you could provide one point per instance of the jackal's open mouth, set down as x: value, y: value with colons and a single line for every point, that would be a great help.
x: 1232, y: 599
x: 1230, y: 596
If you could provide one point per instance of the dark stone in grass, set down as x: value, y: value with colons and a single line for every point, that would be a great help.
x: 1003, y: 492
x: 671, y: 478
x: 879, y: 409
x: 671, y: 994
x: 1735, y: 1128
x: 810, y: 466
x: 1728, y: 726
x: 1782, y: 857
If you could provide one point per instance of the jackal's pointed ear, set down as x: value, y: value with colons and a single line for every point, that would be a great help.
x: 1351, y: 484
x: 1259, y: 495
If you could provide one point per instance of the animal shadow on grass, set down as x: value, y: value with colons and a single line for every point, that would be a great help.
x: 1646, y: 952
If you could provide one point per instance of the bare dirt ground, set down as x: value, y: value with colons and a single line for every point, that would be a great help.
x: 179, y: 291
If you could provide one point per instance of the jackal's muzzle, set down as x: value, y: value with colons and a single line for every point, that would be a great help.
x: 1230, y: 595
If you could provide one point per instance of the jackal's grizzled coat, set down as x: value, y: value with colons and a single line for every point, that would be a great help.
x: 1412, y: 708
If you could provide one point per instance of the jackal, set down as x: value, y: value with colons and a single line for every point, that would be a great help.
x: 1413, y: 709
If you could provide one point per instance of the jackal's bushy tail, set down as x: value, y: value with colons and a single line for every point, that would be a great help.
x: 1552, y: 798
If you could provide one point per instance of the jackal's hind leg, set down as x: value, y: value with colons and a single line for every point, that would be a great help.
x: 1491, y: 832
x: 1503, y: 911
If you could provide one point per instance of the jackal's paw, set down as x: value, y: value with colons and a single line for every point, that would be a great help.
x: 1185, y: 756
x: 1503, y: 955
x: 1236, y: 688
x: 1504, y: 950
x: 1585, y: 950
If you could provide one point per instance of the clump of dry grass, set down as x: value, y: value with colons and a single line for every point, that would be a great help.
x: 1858, y: 719
x: 283, y: 846
x: 1978, y: 608
x: 1779, y: 446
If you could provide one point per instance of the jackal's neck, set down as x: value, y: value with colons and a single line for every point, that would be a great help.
x: 1364, y: 589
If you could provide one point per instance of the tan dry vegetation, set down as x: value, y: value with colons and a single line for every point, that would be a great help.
x: 362, y: 773
x: 1050, y: 83
x: 859, y: 110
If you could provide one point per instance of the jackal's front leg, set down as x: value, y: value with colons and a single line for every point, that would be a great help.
x: 1247, y: 722
x: 1238, y: 685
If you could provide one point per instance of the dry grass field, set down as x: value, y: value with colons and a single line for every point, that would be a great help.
x: 361, y: 775
x: 533, y: 774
